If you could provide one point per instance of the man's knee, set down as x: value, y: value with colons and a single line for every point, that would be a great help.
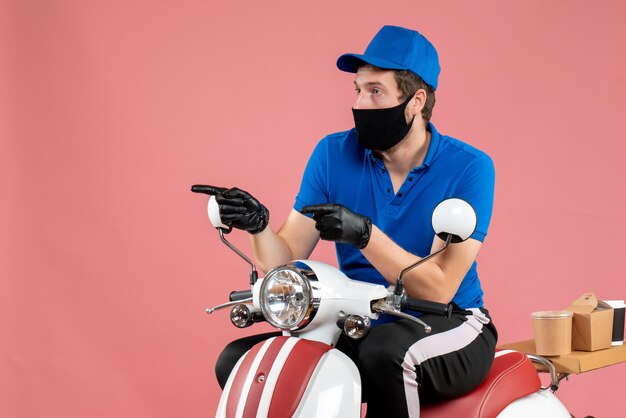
x: 380, y: 352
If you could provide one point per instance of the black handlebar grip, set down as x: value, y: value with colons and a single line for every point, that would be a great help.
x: 426, y: 306
x: 239, y: 295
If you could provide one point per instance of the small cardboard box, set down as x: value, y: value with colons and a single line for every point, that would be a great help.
x: 592, y: 325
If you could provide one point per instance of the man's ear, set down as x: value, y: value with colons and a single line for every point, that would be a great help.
x: 419, y: 101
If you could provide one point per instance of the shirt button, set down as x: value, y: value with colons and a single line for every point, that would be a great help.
x: 399, y: 194
x: 410, y: 178
x: 388, y: 190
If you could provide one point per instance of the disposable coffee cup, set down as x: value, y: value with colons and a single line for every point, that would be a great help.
x: 553, y: 332
x: 618, y: 321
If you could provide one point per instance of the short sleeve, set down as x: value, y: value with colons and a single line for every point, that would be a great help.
x: 477, y: 188
x: 314, y: 185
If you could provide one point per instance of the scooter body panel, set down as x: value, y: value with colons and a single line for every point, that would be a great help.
x: 334, y: 390
x: 286, y: 376
x: 541, y: 404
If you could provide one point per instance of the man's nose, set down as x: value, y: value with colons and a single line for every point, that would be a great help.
x: 360, y: 102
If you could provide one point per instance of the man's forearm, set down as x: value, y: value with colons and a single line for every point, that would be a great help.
x: 295, y: 240
x: 427, y: 281
x: 269, y: 250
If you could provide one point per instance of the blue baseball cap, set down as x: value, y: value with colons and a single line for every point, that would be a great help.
x: 396, y: 48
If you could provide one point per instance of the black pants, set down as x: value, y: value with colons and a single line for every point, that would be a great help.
x: 401, y: 365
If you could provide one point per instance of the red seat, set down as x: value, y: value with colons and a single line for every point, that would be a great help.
x: 511, y: 377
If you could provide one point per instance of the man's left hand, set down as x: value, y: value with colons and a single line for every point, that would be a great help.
x: 340, y: 224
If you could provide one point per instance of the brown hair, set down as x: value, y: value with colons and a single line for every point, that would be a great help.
x: 409, y: 83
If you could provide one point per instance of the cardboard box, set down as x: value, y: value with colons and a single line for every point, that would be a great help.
x: 593, y: 323
x: 576, y: 361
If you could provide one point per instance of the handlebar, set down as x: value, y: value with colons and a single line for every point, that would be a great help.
x: 237, y: 295
x: 426, y: 306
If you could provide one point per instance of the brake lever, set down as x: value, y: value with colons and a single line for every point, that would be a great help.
x: 227, y: 305
x: 381, y: 306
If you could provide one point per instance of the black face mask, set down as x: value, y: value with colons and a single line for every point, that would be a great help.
x: 381, y: 129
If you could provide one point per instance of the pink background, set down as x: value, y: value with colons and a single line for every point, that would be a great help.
x: 109, y: 111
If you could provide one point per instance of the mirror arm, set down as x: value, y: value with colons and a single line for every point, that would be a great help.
x: 253, y: 273
x: 399, y: 289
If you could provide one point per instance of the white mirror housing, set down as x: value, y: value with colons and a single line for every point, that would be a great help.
x: 454, y: 217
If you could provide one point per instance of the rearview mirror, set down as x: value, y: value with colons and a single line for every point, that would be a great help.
x: 456, y: 218
x: 213, y: 210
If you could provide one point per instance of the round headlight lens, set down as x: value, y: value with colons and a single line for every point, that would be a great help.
x: 285, y: 297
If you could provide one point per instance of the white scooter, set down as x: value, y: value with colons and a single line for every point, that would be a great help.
x: 300, y: 374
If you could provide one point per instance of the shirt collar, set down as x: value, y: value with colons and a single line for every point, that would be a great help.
x: 435, y: 137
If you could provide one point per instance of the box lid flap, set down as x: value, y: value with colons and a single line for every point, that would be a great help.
x: 584, y: 304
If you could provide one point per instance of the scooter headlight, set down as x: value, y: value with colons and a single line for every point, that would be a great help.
x: 286, y: 298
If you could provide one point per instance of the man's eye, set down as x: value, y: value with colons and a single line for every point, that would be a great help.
x: 357, y: 91
x: 377, y: 91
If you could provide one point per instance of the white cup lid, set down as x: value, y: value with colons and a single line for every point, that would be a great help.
x: 551, y: 314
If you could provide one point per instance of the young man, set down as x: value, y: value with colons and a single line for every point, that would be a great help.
x: 372, y: 190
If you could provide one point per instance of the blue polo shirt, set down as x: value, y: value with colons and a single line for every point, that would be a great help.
x: 342, y: 171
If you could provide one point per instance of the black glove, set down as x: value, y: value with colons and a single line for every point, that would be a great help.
x: 238, y: 208
x: 338, y: 223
